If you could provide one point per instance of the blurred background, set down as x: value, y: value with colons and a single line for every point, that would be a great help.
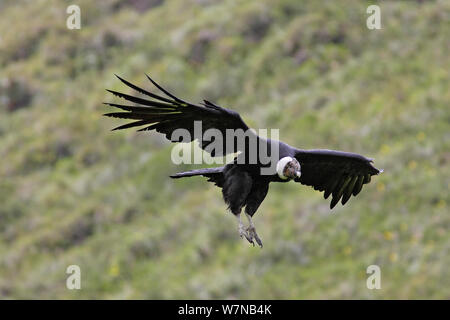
x: 73, y: 192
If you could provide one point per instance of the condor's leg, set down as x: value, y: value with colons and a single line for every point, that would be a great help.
x: 236, y: 187
x: 241, y: 228
x: 254, y: 200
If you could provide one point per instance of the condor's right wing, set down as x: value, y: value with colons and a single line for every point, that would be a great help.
x: 166, y: 114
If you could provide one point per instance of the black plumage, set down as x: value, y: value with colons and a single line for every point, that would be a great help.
x: 336, y: 173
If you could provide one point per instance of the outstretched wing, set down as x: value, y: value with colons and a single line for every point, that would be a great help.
x: 340, y: 174
x: 166, y: 114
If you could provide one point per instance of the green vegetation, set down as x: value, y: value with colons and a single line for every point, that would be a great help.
x: 73, y: 192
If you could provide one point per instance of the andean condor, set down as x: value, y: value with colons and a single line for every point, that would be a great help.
x: 336, y: 173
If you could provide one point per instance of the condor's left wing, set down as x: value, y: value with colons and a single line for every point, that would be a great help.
x: 338, y: 173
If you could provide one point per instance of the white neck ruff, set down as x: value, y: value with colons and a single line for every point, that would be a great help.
x: 280, y: 167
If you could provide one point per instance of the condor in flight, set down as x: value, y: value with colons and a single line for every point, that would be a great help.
x: 243, y: 182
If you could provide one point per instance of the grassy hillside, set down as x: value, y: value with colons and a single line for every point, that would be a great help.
x: 73, y: 192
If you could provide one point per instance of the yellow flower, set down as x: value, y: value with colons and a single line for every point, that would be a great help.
x: 347, y: 250
x: 388, y: 235
x: 421, y: 136
x: 441, y: 204
x: 393, y: 257
x: 412, y: 165
x: 385, y: 149
x: 114, y: 270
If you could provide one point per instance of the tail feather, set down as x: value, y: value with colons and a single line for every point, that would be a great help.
x: 198, y: 172
x: 213, y: 174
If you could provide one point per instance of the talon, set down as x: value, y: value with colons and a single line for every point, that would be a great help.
x: 250, y: 239
x: 252, y: 233
x: 249, y: 233
x: 243, y: 233
x: 258, y: 241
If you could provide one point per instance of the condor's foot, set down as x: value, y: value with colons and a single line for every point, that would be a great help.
x: 251, y: 232
x: 252, y: 235
x: 243, y: 231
